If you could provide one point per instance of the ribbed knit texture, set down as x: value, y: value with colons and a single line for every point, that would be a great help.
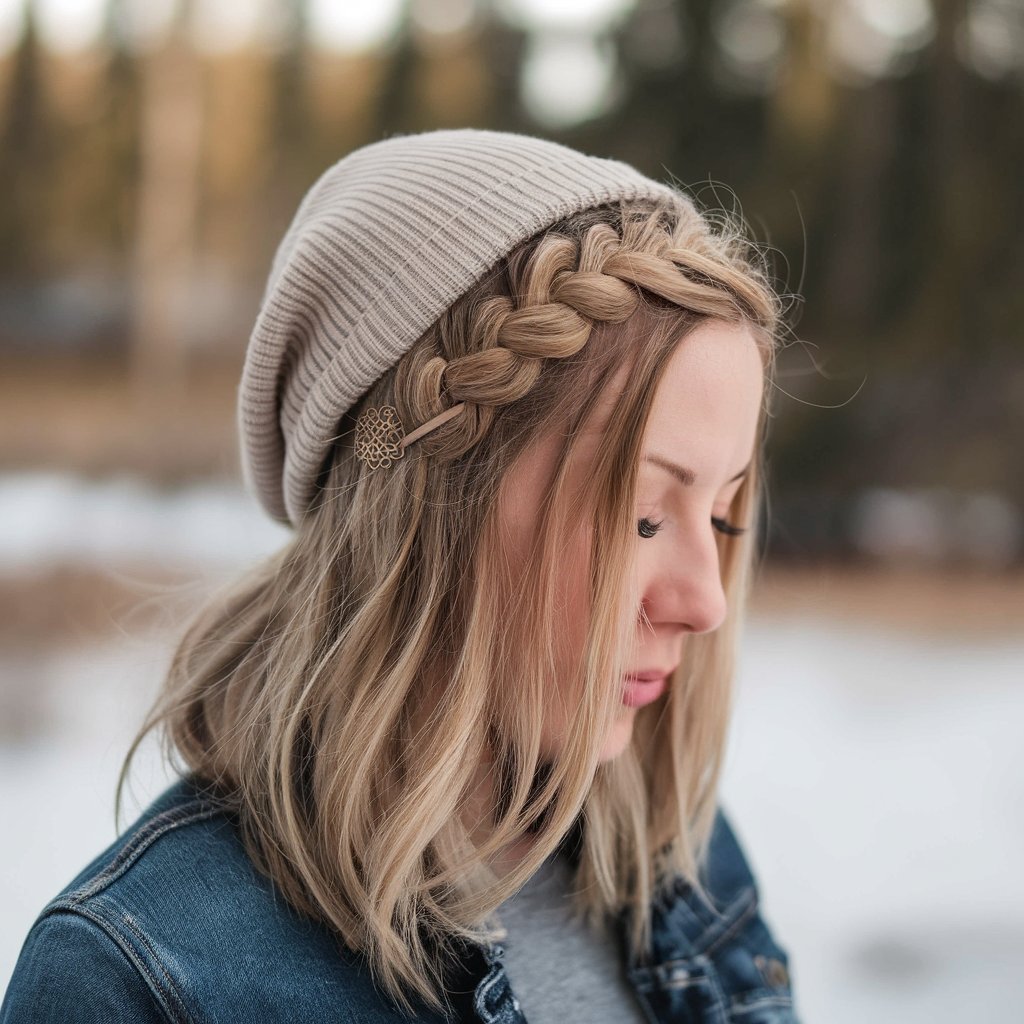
x: 381, y: 245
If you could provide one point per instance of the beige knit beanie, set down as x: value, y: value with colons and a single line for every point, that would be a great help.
x: 381, y: 245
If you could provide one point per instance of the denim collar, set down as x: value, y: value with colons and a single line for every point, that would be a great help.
x: 687, y: 935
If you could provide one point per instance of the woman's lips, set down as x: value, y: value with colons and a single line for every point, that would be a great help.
x: 637, y: 692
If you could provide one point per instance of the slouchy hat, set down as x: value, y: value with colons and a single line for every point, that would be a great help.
x: 381, y: 245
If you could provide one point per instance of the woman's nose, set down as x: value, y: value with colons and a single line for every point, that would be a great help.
x: 685, y: 589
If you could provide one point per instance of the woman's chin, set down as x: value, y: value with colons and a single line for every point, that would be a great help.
x: 619, y: 736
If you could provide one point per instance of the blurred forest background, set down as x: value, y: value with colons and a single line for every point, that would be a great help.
x: 152, y: 153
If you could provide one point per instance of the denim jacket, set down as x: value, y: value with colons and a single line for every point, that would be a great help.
x: 172, y: 923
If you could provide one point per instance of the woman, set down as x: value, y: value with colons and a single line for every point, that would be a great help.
x: 453, y: 752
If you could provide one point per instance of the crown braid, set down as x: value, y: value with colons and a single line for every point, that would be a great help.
x: 489, y: 352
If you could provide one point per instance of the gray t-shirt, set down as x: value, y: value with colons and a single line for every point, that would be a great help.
x: 561, y: 970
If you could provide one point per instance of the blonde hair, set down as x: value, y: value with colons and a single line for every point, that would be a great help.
x: 342, y: 695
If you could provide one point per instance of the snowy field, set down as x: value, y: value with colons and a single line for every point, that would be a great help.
x: 878, y: 783
x: 876, y: 780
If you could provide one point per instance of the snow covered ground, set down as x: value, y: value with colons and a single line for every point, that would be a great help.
x: 878, y: 783
x: 876, y: 780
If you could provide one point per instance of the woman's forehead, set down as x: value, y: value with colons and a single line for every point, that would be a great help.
x: 707, y: 401
x: 707, y: 406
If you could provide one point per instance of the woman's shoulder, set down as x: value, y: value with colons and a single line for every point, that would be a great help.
x: 180, y: 865
x: 172, y: 922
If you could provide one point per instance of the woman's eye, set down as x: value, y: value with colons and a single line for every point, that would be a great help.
x: 724, y: 526
x: 647, y: 527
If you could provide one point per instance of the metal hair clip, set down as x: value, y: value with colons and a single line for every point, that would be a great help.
x: 379, y: 435
x: 381, y: 438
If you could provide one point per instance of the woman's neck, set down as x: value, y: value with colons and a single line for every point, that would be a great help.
x: 478, y: 817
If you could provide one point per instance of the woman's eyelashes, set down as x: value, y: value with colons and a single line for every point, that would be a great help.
x: 647, y: 528
x: 724, y: 526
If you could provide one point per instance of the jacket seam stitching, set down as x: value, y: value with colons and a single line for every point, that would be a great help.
x: 139, y: 843
x: 749, y: 898
x: 129, y: 922
x: 168, y: 999
x: 740, y: 1005
x: 485, y: 987
x: 715, y: 983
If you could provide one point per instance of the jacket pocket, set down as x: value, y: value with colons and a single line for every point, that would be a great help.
x: 752, y: 971
x: 715, y: 964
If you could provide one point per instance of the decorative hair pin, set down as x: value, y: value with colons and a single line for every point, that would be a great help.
x: 381, y: 438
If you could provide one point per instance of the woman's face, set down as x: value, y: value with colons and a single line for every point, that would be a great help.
x: 699, y: 441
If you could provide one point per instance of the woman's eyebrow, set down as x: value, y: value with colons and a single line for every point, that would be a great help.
x: 685, y: 476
